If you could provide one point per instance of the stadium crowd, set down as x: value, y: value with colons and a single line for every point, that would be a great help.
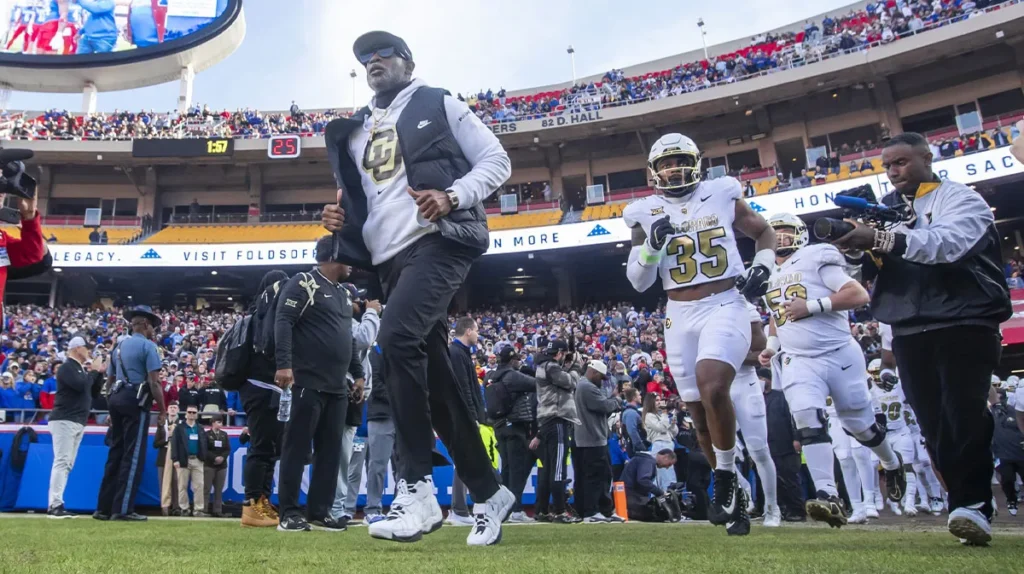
x: 878, y: 23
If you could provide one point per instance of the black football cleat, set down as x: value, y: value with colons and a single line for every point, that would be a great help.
x: 726, y: 503
x: 741, y: 526
x: 827, y: 508
x: 896, y: 482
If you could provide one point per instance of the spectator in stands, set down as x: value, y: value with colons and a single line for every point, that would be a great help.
x: 865, y: 165
x: 215, y: 472
x: 94, y: 236
x: 661, y: 431
x: 833, y: 163
x: 188, y: 451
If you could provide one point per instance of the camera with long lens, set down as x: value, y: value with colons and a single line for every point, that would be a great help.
x: 860, y: 203
x: 14, y: 181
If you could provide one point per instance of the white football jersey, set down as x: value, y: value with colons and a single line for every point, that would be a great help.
x: 800, y: 276
x: 898, y: 414
x: 703, y: 248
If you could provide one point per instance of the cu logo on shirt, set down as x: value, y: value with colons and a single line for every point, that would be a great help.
x: 382, y: 158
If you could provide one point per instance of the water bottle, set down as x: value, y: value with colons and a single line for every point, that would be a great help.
x: 284, y: 410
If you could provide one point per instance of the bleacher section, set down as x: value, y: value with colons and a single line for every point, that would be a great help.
x: 79, y: 235
x: 263, y: 233
x: 605, y: 211
x: 527, y: 219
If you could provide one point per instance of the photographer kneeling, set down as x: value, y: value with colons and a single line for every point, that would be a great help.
x: 941, y: 287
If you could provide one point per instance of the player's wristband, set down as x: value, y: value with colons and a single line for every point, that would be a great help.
x: 824, y: 305
x: 765, y: 258
x: 774, y: 344
x: 648, y: 256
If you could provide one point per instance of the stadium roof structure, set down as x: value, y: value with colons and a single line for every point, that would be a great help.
x: 128, y: 69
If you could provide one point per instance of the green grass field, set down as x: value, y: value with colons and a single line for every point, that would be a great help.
x: 176, y: 546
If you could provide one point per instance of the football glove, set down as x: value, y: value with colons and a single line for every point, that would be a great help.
x: 753, y: 284
x: 887, y: 380
x: 661, y: 230
x: 880, y: 420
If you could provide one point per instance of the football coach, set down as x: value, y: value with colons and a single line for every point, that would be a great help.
x: 412, y: 170
x: 941, y: 287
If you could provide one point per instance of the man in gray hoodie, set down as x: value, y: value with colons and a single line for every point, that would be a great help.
x: 591, y: 462
x: 556, y: 412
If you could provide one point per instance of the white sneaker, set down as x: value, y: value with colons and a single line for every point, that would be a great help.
x: 520, y: 518
x: 456, y: 520
x: 860, y: 515
x: 616, y: 519
x: 935, y: 506
x: 970, y: 525
x: 870, y: 511
x: 414, y: 512
x: 489, y: 516
x: 879, y: 500
x: 910, y: 510
x: 772, y: 516
x: 596, y: 519
x: 895, y: 508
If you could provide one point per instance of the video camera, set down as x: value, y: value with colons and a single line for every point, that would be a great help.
x: 859, y: 203
x: 14, y: 181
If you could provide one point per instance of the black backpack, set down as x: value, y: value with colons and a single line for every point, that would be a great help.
x: 234, y: 353
x: 497, y: 400
x: 625, y: 441
x: 263, y: 330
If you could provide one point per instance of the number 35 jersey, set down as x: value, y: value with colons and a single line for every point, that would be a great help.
x: 703, y: 247
x: 813, y: 272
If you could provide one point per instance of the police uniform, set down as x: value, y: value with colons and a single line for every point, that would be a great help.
x: 129, y: 404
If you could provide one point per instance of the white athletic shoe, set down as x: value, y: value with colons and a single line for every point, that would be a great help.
x: 970, y: 526
x: 870, y: 511
x: 935, y: 506
x: 859, y: 516
x: 879, y: 499
x: 456, y: 520
x: 895, y: 508
x: 520, y: 518
x: 772, y: 516
x: 596, y: 519
x: 489, y: 516
x: 414, y: 512
x: 910, y: 510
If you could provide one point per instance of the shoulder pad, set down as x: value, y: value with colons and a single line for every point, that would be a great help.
x: 634, y: 209
x: 828, y: 254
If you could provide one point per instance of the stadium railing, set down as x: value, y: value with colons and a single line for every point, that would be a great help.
x: 99, y: 418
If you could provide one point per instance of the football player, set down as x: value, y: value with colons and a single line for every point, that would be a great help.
x: 747, y: 395
x: 928, y: 483
x: 809, y: 294
x: 686, y: 233
x: 899, y: 417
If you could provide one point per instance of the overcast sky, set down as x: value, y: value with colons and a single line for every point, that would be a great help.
x: 304, y: 52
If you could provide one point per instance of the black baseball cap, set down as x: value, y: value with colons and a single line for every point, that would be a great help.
x: 555, y: 346
x: 371, y: 42
x: 508, y: 354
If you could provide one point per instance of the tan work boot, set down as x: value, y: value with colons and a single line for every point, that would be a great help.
x: 253, y: 516
x: 267, y: 509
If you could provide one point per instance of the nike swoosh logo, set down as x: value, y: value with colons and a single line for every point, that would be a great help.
x: 422, y: 124
x: 732, y: 506
x: 846, y: 367
x: 703, y: 199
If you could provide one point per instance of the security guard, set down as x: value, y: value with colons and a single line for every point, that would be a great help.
x: 134, y: 383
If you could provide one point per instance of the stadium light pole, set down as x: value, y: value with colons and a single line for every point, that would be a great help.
x: 572, y: 59
x: 703, y: 33
x: 352, y: 75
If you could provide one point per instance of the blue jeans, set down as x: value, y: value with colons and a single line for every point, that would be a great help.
x: 94, y: 45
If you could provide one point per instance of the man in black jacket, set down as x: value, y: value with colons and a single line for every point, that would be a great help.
x: 218, y: 450
x: 314, y: 348
x: 639, y: 478
x: 188, y: 451
x: 414, y: 168
x: 260, y: 399
x: 515, y: 430
x: 75, y: 389
x: 460, y: 351
x: 941, y: 287
x: 785, y: 450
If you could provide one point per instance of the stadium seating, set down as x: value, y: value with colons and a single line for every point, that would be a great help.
x: 80, y: 235
x: 527, y: 219
x: 263, y: 233
x: 605, y: 211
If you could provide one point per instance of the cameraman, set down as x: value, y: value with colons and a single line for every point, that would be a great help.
x: 25, y: 257
x: 941, y: 287
x: 556, y: 413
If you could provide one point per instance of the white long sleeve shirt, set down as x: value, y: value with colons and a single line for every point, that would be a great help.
x: 393, y: 221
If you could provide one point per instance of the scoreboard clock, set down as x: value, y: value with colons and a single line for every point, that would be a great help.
x: 284, y: 147
x: 198, y: 147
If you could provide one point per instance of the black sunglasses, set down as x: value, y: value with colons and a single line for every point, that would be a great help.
x: 382, y: 52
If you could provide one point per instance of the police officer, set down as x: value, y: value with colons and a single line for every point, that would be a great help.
x: 134, y: 383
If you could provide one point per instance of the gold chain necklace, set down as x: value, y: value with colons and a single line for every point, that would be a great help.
x: 377, y: 120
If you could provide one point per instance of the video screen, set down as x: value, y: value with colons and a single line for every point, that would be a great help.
x: 72, y: 27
